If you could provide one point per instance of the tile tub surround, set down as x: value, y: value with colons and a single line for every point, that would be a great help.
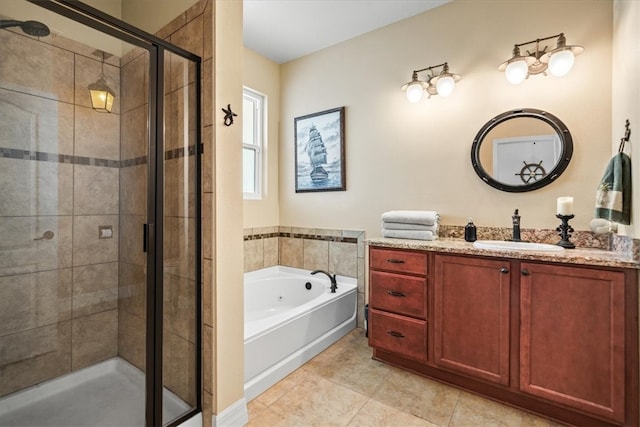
x: 337, y: 251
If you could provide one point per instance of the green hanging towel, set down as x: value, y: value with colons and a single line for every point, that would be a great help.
x: 613, y: 198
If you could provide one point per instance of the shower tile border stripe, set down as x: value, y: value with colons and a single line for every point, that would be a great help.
x: 41, y: 156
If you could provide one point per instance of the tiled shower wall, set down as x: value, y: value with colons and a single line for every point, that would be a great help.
x: 340, y: 252
x: 58, y: 295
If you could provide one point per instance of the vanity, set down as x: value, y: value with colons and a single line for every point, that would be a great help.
x: 555, y: 333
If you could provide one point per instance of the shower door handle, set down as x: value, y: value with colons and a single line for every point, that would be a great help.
x: 145, y: 233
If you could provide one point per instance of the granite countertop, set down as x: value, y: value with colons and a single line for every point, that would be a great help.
x: 584, y: 256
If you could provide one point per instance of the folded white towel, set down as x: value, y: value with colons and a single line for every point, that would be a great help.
x: 412, y: 217
x: 405, y: 226
x: 409, y: 234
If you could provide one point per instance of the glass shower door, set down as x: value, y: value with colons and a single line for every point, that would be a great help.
x: 73, y: 185
x: 78, y: 189
x: 180, y: 284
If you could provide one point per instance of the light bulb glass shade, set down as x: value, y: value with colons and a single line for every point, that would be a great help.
x: 102, y: 96
x: 516, y: 71
x: 414, y: 91
x: 560, y: 63
x: 445, y: 85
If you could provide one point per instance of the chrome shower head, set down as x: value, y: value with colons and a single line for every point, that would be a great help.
x: 32, y: 28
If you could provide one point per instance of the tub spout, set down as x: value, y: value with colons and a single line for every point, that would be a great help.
x: 332, y: 277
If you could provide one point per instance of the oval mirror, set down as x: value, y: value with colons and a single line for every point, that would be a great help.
x: 521, y: 150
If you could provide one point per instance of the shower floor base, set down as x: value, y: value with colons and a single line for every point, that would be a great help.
x: 110, y: 393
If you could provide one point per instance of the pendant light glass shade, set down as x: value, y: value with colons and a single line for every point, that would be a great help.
x: 414, y: 92
x: 102, y: 96
x: 516, y: 72
x: 560, y: 63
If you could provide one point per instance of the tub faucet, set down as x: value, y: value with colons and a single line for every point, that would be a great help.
x: 516, y: 226
x: 332, y: 277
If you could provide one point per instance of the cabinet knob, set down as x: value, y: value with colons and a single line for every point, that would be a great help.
x: 525, y: 272
x: 395, y: 261
x: 504, y: 270
x: 395, y: 334
x: 396, y: 294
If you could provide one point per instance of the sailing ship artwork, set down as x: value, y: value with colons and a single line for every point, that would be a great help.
x: 320, y: 151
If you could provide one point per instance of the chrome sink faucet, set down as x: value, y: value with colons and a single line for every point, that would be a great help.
x: 516, y: 226
x: 332, y: 277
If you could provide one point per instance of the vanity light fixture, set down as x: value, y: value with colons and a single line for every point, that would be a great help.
x: 558, y: 61
x: 102, y: 95
x: 441, y: 84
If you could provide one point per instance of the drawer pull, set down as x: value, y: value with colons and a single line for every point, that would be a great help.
x: 504, y: 270
x: 525, y: 272
x: 395, y: 261
x: 395, y: 334
x: 396, y: 294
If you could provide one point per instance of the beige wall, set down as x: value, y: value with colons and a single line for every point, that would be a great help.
x: 626, y: 93
x: 263, y: 75
x: 407, y: 156
x: 228, y: 259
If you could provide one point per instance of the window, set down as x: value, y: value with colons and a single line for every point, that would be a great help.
x: 252, y: 142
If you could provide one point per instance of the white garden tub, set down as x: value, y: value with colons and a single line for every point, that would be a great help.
x: 287, y: 324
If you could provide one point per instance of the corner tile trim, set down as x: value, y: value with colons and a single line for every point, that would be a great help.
x: 301, y: 236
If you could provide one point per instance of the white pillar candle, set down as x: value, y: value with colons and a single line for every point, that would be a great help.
x: 565, y: 206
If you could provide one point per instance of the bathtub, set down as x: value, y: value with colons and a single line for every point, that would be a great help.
x: 287, y: 324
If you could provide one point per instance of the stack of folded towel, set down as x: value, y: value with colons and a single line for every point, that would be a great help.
x: 417, y: 225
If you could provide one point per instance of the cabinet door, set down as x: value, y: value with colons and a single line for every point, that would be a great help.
x: 471, y: 316
x: 572, y: 337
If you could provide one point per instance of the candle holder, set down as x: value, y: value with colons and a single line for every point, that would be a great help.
x: 564, y: 231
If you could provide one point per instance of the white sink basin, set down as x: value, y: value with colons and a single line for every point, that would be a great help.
x: 501, y: 245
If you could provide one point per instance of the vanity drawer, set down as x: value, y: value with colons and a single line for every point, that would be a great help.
x: 397, y: 293
x: 399, y: 261
x: 398, y: 334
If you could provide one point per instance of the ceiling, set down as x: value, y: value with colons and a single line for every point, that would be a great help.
x: 283, y: 30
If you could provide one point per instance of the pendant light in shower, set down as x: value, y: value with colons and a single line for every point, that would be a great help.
x: 102, y: 95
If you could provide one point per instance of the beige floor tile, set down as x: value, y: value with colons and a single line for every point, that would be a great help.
x: 319, y: 402
x: 419, y: 396
x: 269, y: 418
x: 283, y: 387
x: 255, y: 408
x: 376, y: 414
x: 473, y: 410
x: 353, y: 368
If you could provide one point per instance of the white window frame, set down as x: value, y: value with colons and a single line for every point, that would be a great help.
x: 258, y: 144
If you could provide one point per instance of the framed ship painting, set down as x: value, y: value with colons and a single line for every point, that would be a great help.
x: 319, y: 151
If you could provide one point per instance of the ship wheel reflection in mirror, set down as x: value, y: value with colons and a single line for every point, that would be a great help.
x: 319, y: 151
x: 531, y: 172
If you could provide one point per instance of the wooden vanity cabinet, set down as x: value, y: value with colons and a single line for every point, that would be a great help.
x: 572, y: 337
x: 398, y: 302
x: 471, y: 316
x: 557, y: 339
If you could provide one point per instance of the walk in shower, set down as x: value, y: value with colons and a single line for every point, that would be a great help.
x: 99, y: 221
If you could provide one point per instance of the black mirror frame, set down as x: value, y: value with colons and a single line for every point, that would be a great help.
x: 558, y: 126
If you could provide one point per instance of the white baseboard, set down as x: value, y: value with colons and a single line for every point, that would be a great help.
x: 235, y: 415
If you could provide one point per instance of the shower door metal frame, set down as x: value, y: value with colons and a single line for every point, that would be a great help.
x: 156, y: 47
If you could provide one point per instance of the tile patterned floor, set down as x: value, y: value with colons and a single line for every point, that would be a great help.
x: 343, y: 386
